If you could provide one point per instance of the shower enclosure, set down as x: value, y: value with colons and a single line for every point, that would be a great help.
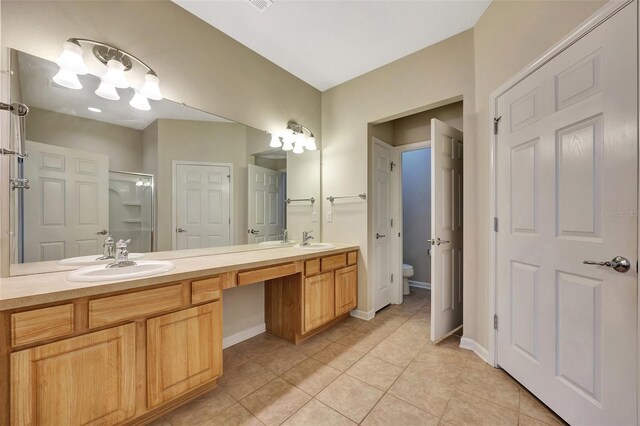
x: 131, y: 209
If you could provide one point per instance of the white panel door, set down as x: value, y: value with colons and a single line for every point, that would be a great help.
x: 446, y: 229
x: 567, y: 163
x: 67, y: 204
x: 381, y: 224
x: 265, y: 205
x: 203, y: 203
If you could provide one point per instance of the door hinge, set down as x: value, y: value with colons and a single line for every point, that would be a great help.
x: 495, y: 321
x: 391, y: 278
x: 229, y: 221
x: 392, y: 164
x: 495, y: 124
x: 495, y: 224
x: 391, y: 223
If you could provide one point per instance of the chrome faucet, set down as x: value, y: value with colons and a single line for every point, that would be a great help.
x: 306, y: 236
x: 108, y: 249
x: 285, y: 236
x: 122, y: 256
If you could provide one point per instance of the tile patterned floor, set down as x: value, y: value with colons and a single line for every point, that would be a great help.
x: 379, y: 372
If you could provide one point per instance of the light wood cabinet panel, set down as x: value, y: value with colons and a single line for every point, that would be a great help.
x: 264, y: 274
x: 336, y: 261
x: 346, y: 289
x: 352, y: 258
x: 312, y: 267
x: 110, y: 310
x: 206, y: 290
x: 41, y: 324
x: 85, y: 380
x: 318, y: 300
x: 184, y: 350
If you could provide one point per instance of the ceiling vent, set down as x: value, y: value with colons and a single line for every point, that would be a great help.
x: 261, y: 5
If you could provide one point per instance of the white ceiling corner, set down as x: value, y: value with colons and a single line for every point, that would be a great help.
x: 328, y: 42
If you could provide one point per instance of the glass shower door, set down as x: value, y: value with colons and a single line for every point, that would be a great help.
x: 131, y: 209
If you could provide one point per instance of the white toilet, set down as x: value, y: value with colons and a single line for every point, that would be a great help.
x: 407, y: 272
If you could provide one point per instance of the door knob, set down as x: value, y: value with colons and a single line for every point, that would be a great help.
x: 103, y: 232
x: 181, y: 230
x: 378, y: 236
x: 253, y: 231
x: 618, y: 263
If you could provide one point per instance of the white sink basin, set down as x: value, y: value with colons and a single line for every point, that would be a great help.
x: 92, y: 260
x: 276, y: 243
x: 315, y: 246
x: 144, y: 268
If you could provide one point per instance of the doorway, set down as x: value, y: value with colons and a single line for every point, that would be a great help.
x: 201, y: 205
x: 566, y: 327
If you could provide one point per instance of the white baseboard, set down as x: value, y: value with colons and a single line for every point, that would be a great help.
x: 472, y: 345
x: 419, y: 284
x: 363, y: 315
x: 243, y: 335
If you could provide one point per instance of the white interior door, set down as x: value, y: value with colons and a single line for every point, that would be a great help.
x: 202, y: 206
x: 265, y: 204
x: 67, y: 204
x: 446, y: 229
x: 381, y: 224
x: 567, y: 163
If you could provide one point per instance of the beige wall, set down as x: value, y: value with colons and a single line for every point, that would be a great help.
x: 122, y: 145
x: 417, y: 127
x: 415, y: 83
x: 508, y: 37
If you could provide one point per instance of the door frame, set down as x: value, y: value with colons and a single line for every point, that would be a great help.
x: 174, y: 171
x: 397, y: 209
x: 602, y: 15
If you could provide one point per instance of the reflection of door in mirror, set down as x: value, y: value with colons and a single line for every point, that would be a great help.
x: 202, y: 205
x: 265, y: 205
x: 66, y: 208
x: 131, y: 209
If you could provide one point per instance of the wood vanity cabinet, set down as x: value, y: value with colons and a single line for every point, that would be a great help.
x: 327, y: 291
x: 83, y: 380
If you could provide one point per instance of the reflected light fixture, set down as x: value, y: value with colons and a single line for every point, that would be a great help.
x: 94, y: 109
x: 117, y: 65
x: 296, y: 138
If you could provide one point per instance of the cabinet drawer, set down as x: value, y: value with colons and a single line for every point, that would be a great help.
x: 206, y: 290
x: 352, y: 258
x: 263, y: 274
x: 312, y: 267
x: 109, y: 310
x: 330, y: 263
x: 41, y: 324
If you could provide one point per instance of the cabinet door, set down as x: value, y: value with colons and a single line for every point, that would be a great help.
x: 86, y: 380
x: 318, y: 300
x: 184, y: 350
x: 346, y: 289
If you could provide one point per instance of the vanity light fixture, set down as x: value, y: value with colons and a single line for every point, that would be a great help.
x: 295, y: 137
x: 115, y: 65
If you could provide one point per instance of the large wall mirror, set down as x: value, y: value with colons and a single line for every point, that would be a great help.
x: 170, y: 178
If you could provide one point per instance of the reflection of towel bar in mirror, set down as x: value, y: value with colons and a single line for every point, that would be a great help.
x: 290, y: 200
x: 362, y: 196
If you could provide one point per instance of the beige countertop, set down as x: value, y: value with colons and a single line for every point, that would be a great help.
x: 49, y: 287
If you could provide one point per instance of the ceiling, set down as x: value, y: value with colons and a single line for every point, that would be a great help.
x: 39, y: 90
x: 326, y: 43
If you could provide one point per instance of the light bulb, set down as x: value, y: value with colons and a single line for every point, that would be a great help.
x: 300, y: 140
x: 68, y: 79
x: 288, y: 145
x: 71, y: 58
x: 311, y: 144
x: 298, y: 149
x: 151, y: 87
x: 107, y: 91
x: 140, y: 102
x: 275, y: 141
x: 115, y: 74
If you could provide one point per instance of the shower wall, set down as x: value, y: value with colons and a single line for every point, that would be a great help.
x: 416, y: 211
x: 131, y: 210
